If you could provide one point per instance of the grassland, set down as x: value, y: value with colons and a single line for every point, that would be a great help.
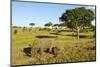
x: 72, y: 50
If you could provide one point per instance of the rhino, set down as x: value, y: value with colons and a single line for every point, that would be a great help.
x: 39, y: 46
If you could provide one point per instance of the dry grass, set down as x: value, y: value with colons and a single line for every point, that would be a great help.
x: 71, y: 50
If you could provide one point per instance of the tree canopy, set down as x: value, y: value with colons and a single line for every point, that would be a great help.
x: 77, y: 18
x: 31, y: 24
x: 48, y: 24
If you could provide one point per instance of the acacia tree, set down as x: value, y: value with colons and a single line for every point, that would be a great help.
x: 48, y: 24
x: 56, y: 26
x: 61, y: 25
x: 31, y: 24
x: 77, y: 18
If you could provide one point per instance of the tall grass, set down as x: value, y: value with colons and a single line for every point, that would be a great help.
x: 70, y: 49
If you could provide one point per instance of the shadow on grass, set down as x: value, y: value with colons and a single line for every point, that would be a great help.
x: 46, y: 36
x: 80, y: 36
x: 54, y: 33
x: 91, y: 47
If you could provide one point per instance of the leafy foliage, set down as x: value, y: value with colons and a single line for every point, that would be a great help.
x: 32, y: 24
x: 77, y: 18
x: 48, y: 24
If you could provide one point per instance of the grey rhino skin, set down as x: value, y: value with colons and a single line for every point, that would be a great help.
x: 39, y: 47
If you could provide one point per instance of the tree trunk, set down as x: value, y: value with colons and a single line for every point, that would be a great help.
x: 78, y: 33
x: 88, y: 30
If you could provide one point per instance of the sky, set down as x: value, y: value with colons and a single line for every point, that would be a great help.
x: 24, y: 13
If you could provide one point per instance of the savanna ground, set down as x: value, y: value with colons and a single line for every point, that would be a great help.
x: 71, y: 49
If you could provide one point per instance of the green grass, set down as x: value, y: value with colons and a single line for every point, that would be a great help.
x: 71, y: 50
